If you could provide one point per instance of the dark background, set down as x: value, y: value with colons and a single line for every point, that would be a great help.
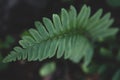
x: 16, y: 16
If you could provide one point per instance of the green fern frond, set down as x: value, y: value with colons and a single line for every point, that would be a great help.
x: 69, y: 35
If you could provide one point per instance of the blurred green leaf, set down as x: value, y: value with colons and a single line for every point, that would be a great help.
x: 94, y: 68
x: 105, y: 52
x: 2, y: 65
x: 9, y: 40
x: 116, y: 76
x: 85, y: 68
x: 114, y: 3
x: 102, y: 69
x: 47, y: 69
x: 91, y: 69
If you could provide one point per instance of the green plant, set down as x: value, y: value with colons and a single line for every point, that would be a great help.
x: 70, y: 35
x: 9, y: 40
x: 2, y: 65
x: 47, y: 69
x: 116, y: 75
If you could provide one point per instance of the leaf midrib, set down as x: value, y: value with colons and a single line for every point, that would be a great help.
x: 65, y: 33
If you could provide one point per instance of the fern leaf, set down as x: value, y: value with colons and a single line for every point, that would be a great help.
x: 65, y: 36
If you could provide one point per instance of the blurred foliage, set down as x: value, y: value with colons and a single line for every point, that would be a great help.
x: 2, y: 65
x: 94, y: 68
x: 47, y: 69
x: 9, y: 40
x: 116, y: 75
x: 114, y: 3
x: 105, y: 52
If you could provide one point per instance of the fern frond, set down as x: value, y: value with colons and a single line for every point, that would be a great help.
x: 69, y: 35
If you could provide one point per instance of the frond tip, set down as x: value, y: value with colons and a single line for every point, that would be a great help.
x: 69, y: 35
